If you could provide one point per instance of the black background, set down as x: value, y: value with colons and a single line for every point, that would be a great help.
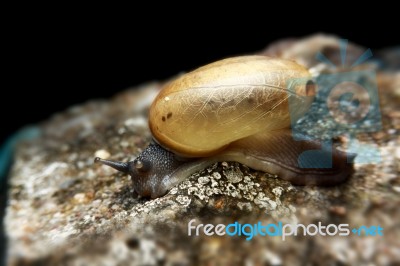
x: 55, y: 66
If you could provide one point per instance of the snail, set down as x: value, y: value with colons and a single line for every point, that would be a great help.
x: 236, y: 109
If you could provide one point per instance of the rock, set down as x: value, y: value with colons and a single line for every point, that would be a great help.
x: 63, y: 209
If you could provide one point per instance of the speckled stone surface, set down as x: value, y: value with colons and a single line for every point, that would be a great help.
x: 63, y: 209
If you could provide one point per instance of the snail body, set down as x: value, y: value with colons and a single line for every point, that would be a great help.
x: 235, y: 109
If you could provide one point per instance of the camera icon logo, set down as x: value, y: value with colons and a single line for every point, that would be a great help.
x: 345, y: 103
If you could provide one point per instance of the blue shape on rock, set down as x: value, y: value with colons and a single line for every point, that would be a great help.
x: 8, y: 147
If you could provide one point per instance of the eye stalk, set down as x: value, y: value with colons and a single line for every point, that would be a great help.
x: 138, y: 165
x: 142, y: 165
x: 120, y: 166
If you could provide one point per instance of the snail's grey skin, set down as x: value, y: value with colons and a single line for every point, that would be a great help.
x: 152, y: 172
x: 235, y: 109
x: 156, y: 170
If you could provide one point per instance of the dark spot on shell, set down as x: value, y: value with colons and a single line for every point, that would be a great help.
x: 169, y: 115
x: 163, y: 118
x: 250, y: 100
x: 132, y: 243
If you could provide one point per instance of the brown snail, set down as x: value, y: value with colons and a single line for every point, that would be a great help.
x: 231, y: 110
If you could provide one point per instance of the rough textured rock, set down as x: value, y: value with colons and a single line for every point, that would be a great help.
x: 63, y: 209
